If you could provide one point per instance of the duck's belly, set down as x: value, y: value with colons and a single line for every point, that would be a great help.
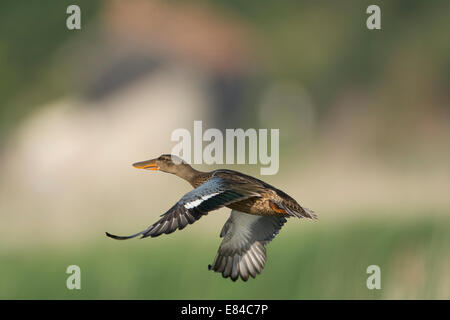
x: 256, y: 206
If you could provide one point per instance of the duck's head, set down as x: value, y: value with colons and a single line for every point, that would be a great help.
x: 166, y: 163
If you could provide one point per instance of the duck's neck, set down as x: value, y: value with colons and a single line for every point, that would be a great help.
x: 189, y: 174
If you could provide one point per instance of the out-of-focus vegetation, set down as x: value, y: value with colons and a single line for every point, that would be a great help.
x: 310, y: 261
x: 325, y: 46
x: 30, y: 35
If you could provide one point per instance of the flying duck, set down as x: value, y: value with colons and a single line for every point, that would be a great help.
x: 258, y: 211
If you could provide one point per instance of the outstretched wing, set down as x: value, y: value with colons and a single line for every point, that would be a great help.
x: 242, y: 251
x: 213, y: 194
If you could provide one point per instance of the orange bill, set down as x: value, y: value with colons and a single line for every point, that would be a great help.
x: 147, y: 165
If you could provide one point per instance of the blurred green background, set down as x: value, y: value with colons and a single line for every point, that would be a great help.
x: 364, y: 119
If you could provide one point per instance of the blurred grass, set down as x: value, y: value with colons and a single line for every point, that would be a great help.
x: 306, y: 261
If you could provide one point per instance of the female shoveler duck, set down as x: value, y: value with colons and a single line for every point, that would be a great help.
x: 259, y: 210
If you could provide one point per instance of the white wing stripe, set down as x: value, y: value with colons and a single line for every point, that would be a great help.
x: 197, y: 202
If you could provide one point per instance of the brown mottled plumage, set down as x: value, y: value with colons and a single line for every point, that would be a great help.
x: 259, y: 210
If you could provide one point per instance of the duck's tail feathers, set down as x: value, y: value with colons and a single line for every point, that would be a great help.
x: 299, y: 211
x: 310, y: 214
